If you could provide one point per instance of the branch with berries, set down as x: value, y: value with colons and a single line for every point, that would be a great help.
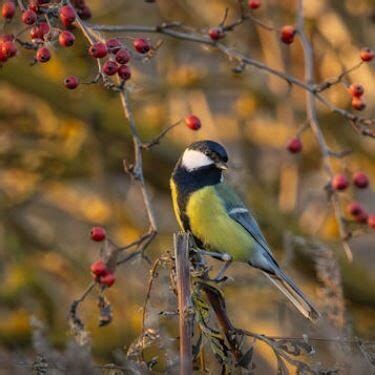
x: 52, y: 23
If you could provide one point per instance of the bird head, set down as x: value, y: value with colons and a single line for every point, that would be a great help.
x: 203, y: 154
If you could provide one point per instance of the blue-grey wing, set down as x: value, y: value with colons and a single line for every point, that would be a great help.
x: 242, y: 215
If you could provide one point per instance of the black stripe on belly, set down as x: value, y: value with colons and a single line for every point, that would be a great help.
x: 188, y: 182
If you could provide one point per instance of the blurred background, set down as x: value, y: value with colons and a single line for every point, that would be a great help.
x: 61, y: 170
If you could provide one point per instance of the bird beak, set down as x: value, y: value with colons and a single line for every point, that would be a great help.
x: 221, y: 165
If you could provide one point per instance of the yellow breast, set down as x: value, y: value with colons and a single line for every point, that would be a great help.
x: 210, y: 223
x: 175, y: 203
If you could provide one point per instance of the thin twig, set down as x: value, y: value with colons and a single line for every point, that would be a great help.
x: 159, y: 137
x: 313, y: 121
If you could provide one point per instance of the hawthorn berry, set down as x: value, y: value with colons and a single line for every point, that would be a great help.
x: 360, y: 180
x: 124, y: 72
x: 34, y: 5
x: 366, y: 54
x: 43, y: 55
x: 71, y: 82
x: 339, y: 182
x: 110, y: 68
x: 355, y: 209
x: 362, y: 218
x: 98, y: 50
x: 193, y: 122
x: 9, y: 48
x: 216, y: 33
x: 99, y: 268
x: 122, y: 56
x: 66, y: 38
x: 3, y: 56
x: 356, y: 90
x: 287, y: 34
x: 84, y: 12
x: 141, y: 45
x: 295, y: 145
x: 358, y: 103
x: 254, y: 4
x: 6, y: 38
x: 39, y: 31
x: 371, y: 221
x: 67, y: 15
x: 29, y: 17
x: 98, y: 234
x: 113, y: 45
x: 8, y: 10
x: 108, y: 280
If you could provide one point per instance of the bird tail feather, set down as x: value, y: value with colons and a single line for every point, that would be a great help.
x: 294, y: 294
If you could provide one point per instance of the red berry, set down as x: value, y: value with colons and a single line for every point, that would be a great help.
x: 371, y: 221
x: 295, y: 145
x: 98, y: 50
x: 8, y: 9
x: 66, y: 39
x: 29, y: 17
x: 355, y: 209
x: 38, y: 32
x: 358, y: 103
x: 99, y: 268
x: 6, y: 38
x: 122, y: 56
x: 356, y: 90
x: 366, y: 54
x: 34, y: 5
x: 113, y: 45
x: 108, y: 279
x: 124, y: 72
x: 43, y: 55
x: 287, y: 34
x: 141, y: 45
x: 254, y: 4
x: 362, y: 218
x: 71, y: 82
x: 67, y: 15
x: 193, y: 122
x: 3, y: 56
x: 9, y: 49
x: 84, y: 12
x: 98, y: 234
x: 110, y: 68
x: 339, y: 182
x: 360, y: 180
x: 216, y: 33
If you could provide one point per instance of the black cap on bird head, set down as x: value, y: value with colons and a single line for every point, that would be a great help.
x: 205, y: 153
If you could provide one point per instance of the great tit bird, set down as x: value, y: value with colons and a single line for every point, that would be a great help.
x: 220, y: 222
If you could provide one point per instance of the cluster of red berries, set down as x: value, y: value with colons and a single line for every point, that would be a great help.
x: 99, y: 269
x: 40, y: 30
x: 193, y: 122
x: 356, y: 90
x: 118, y: 55
x: 340, y: 183
x: 287, y: 34
x: 41, y: 33
x: 101, y: 274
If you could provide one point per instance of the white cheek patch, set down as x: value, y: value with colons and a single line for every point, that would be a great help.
x: 193, y: 159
